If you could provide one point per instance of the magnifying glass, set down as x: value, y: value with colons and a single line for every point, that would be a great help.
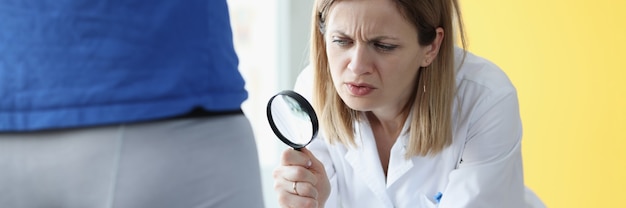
x: 292, y: 119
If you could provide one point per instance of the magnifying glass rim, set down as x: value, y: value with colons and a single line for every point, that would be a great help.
x: 306, y: 106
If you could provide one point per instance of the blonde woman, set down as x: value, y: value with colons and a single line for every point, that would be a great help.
x: 407, y: 119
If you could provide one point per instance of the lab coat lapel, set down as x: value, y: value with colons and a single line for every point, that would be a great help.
x: 398, y: 164
x: 365, y: 162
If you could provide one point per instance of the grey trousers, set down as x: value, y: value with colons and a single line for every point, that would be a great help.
x: 199, y: 162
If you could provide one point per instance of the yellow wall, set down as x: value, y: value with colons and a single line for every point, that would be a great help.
x: 567, y: 59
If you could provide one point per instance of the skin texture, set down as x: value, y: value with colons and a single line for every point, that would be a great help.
x: 374, y: 65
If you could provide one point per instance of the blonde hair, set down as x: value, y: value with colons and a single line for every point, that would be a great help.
x: 431, y: 120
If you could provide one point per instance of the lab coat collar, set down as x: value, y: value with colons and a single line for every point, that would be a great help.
x: 399, y: 165
x: 365, y: 160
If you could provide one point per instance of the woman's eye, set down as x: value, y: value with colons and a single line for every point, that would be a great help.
x: 341, y: 42
x: 385, y: 47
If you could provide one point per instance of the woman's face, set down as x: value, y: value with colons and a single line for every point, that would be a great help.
x: 373, y: 53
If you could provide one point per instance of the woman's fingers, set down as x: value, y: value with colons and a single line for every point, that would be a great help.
x: 322, y: 186
x: 300, y: 180
x: 291, y: 200
x: 299, y: 188
x: 312, y: 162
x: 294, y: 181
x: 303, y: 189
x: 294, y: 193
x: 295, y: 157
x: 295, y: 173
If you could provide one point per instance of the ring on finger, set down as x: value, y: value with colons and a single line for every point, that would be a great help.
x: 295, y: 190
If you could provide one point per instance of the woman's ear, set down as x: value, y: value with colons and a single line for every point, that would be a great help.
x: 433, y: 49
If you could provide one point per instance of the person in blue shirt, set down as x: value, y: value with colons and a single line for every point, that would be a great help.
x: 123, y: 103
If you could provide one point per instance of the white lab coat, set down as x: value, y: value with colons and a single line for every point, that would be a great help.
x: 482, y: 168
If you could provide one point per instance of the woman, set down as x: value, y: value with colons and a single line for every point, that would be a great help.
x: 408, y: 120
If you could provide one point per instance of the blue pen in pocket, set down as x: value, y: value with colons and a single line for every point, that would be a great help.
x: 437, y: 197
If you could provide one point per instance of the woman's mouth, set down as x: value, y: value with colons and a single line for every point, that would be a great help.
x: 359, y: 89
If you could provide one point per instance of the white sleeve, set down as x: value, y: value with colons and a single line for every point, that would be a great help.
x: 490, y: 174
x: 304, y: 83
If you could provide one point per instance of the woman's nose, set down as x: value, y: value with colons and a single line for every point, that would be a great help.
x: 360, y: 60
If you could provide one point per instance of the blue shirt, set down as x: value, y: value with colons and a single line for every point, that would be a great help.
x: 76, y: 63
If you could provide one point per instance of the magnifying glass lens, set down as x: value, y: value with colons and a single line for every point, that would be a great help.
x: 292, y: 119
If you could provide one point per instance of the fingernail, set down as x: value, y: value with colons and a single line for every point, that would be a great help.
x: 309, y: 163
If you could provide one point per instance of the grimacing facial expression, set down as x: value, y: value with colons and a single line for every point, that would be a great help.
x: 373, y: 54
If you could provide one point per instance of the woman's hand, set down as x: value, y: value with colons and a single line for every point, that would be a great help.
x: 301, y: 180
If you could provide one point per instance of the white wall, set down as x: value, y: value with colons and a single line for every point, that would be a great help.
x: 272, y: 41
